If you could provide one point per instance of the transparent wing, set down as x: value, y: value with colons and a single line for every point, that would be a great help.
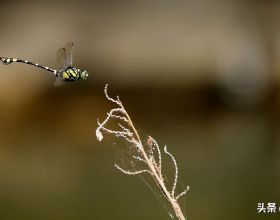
x: 68, y: 50
x: 58, y: 82
x: 64, y: 56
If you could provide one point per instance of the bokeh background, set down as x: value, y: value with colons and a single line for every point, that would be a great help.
x: 199, y: 76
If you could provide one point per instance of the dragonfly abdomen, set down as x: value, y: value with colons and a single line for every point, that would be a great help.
x: 7, y: 60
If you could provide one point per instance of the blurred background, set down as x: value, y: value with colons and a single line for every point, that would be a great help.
x: 200, y: 76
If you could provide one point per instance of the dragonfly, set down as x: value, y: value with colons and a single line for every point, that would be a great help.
x: 66, y: 72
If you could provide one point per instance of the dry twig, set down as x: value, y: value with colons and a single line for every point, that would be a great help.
x: 151, y: 158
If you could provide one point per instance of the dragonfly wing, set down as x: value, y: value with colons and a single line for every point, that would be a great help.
x: 68, y: 52
x: 58, y: 82
x: 61, y: 58
x: 64, y: 56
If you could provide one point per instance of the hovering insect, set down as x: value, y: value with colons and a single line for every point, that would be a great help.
x: 66, y: 72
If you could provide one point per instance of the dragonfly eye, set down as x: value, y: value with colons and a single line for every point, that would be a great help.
x: 84, y: 74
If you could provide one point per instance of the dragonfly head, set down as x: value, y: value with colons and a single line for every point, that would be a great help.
x: 84, y: 74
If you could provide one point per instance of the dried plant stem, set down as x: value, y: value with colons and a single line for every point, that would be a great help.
x: 154, y: 166
x: 172, y: 200
x: 174, y: 203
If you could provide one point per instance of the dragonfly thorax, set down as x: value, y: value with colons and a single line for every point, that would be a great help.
x: 74, y: 74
